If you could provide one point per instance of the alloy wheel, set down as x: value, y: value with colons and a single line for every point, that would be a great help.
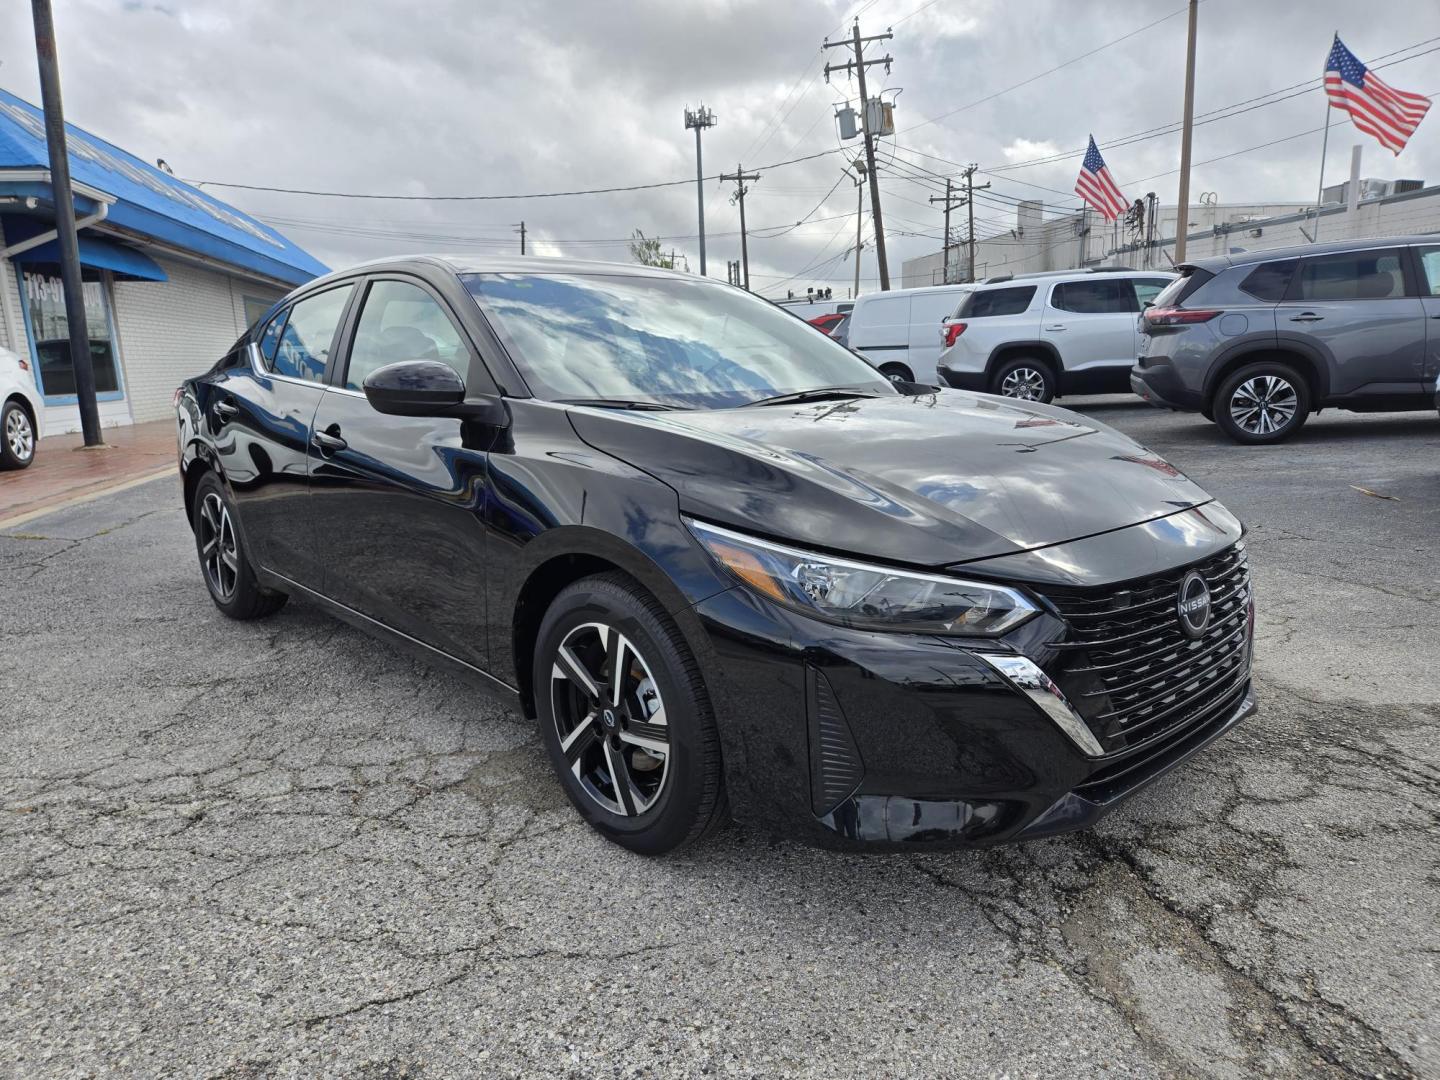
x: 1263, y: 405
x: 610, y: 719
x: 219, y: 551
x: 1025, y: 383
x: 19, y: 435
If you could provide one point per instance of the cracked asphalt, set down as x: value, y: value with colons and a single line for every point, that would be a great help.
x: 280, y: 849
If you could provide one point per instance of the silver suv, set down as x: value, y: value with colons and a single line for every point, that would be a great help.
x: 1037, y: 336
x: 1257, y: 341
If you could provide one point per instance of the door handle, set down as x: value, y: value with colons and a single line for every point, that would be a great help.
x: 1056, y: 326
x: 328, y: 443
x: 226, y: 409
x: 1306, y: 316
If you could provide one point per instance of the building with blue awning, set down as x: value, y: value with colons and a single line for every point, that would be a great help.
x: 171, y: 275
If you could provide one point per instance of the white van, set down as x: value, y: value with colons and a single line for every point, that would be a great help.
x: 899, y: 331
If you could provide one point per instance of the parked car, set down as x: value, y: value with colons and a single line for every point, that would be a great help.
x: 22, y: 411
x: 841, y: 330
x: 720, y: 560
x: 1257, y: 341
x: 828, y: 323
x: 1038, y: 337
x: 897, y: 331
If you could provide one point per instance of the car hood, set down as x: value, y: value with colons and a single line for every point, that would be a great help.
x: 930, y: 480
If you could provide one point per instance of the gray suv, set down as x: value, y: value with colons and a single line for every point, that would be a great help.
x: 1257, y: 341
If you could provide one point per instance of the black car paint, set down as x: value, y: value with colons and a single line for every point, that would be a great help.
x: 448, y: 535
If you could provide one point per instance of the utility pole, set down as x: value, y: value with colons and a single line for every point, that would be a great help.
x: 950, y: 204
x: 859, y: 219
x: 74, y: 289
x: 700, y: 119
x: 740, y: 178
x: 521, y: 231
x: 1182, y: 215
x: 970, y: 190
x: 857, y: 65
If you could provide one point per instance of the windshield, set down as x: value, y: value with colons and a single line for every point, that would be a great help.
x: 664, y: 340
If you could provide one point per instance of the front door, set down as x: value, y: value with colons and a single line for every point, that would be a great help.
x: 397, y: 500
x: 1429, y: 260
x: 1091, y: 324
x: 1355, y: 306
x: 260, y: 415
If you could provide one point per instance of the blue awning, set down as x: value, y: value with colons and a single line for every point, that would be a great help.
x: 126, y: 263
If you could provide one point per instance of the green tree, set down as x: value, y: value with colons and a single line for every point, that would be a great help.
x: 646, y: 251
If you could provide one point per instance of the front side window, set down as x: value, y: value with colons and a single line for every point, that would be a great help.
x: 1352, y: 275
x: 979, y: 305
x: 399, y: 322
x: 50, y: 329
x: 1268, y: 281
x: 661, y: 340
x: 1106, y: 297
x: 1146, y: 289
x: 1429, y: 270
x: 304, y: 346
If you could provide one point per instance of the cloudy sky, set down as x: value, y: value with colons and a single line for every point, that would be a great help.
x: 480, y: 97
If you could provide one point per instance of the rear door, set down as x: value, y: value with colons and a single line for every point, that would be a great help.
x: 397, y: 500
x: 1428, y: 262
x: 927, y: 311
x: 1357, y: 309
x: 1091, y: 323
x: 880, y: 329
x: 260, y: 414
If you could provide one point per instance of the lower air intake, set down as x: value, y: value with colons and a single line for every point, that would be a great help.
x: 835, y: 767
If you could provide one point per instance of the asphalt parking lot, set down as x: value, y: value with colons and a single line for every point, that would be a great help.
x: 281, y: 849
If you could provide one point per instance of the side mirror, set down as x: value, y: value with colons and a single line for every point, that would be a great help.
x: 414, y: 388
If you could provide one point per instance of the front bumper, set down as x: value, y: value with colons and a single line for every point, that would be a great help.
x: 854, y: 739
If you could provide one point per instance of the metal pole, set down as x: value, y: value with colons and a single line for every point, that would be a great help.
x: 744, y: 246
x: 877, y: 222
x: 946, y: 275
x: 700, y: 197
x: 970, y: 206
x: 522, y: 238
x: 1182, y: 217
x: 1320, y: 192
x: 859, y: 226
x: 73, y: 287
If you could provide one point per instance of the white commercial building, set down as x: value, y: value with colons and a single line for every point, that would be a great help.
x: 171, y: 275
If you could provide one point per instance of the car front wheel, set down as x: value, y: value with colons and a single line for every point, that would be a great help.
x: 1262, y: 403
x: 625, y: 717
x: 17, y: 437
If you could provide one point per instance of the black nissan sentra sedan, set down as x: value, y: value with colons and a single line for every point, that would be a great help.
x: 724, y: 564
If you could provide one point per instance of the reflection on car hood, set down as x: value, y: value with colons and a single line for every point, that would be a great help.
x: 941, y: 478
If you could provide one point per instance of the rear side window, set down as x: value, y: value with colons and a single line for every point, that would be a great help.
x: 309, y: 335
x: 1352, y: 275
x: 1429, y: 270
x: 1268, y: 281
x: 1093, y: 297
x: 270, y: 338
x: 987, y: 302
x: 1191, y: 278
x: 1147, y: 289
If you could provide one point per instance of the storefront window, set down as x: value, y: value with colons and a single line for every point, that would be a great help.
x: 50, y: 330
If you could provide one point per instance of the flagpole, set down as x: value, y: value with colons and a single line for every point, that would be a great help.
x: 1324, y: 148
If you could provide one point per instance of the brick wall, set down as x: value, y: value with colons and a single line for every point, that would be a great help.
x: 171, y: 330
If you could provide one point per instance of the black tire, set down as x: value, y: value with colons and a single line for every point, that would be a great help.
x: 229, y: 580
x: 688, y: 800
x: 897, y: 372
x: 1025, y: 378
x: 17, y: 436
x: 1250, y: 400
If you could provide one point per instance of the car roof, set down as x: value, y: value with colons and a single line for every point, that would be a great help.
x: 1020, y: 280
x: 1215, y: 263
x: 916, y: 291
x: 505, y: 264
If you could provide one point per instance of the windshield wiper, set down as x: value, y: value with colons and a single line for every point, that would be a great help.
x: 826, y: 393
x: 620, y: 403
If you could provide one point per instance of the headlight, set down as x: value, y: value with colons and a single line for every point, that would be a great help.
x: 861, y: 595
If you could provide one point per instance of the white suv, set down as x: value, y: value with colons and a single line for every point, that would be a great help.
x: 1038, y: 336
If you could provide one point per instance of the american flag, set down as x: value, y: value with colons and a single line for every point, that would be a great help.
x: 1097, y: 187
x: 1377, y: 109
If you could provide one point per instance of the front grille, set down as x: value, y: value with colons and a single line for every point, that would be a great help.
x: 1128, y: 669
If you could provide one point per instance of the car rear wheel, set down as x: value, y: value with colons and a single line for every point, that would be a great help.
x: 17, y: 437
x: 1262, y: 403
x: 1026, y: 378
x: 897, y: 372
x: 223, y: 561
x: 625, y: 717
